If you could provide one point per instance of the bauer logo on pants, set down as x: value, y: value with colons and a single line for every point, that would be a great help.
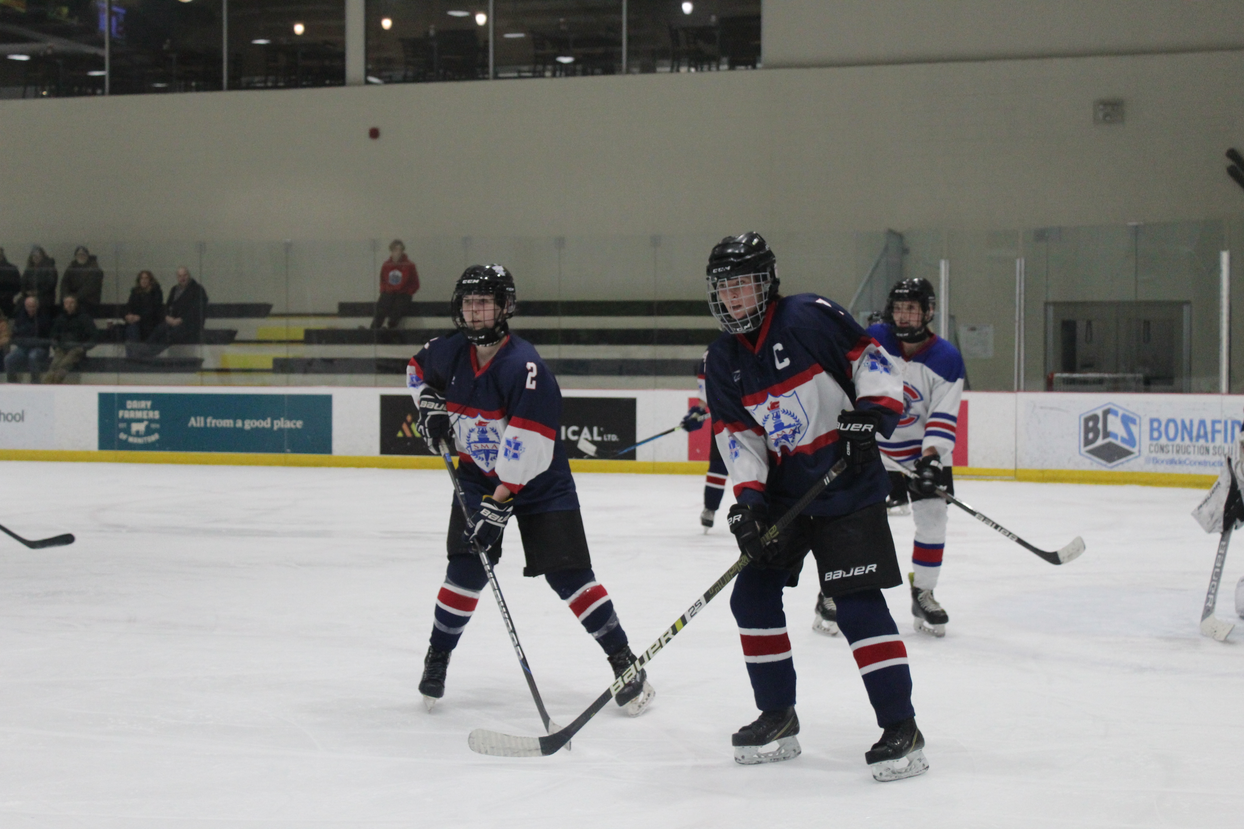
x: 1110, y: 435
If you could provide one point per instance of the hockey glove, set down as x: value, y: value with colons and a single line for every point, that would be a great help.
x: 928, y: 475
x: 858, y: 431
x: 749, y: 524
x: 488, y: 522
x: 433, y: 419
x: 694, y: 419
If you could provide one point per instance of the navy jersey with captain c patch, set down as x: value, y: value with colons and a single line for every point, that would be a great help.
x: 775, y: 404
x: 505, y: 418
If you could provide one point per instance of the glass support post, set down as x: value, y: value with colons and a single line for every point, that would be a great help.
x: 1224, y: 322
x: 1019, y: 324
x: 943, y: 299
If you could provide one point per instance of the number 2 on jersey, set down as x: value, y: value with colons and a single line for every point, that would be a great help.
x: 531, y: 375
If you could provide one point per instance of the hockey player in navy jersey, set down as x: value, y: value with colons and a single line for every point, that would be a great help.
x: 487, y: 393
x: 794, y: 385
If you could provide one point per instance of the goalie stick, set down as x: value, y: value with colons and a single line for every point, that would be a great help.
x: 497, y: 744
x: 1060, y: 556
x: 549, y: 725
x: 40, y: 543
x: 1211, y: 625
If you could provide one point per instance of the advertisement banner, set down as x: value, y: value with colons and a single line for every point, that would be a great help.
x: 266, y: 423
x: 27, y: 418
x: 1183, y: 434
x: 399, y: 426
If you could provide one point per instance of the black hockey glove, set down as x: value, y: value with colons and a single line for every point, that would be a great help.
x: 858, y: 431
x: 1233, y: 509
x: 928, y: 475
x: 433, y: 419
x: 749, y: 523
x: 488, y: 522
x: 694, y: 419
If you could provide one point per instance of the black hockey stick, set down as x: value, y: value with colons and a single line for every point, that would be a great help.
x: 549, y: 725
x: 1060, y: 556
x: 1211, y: 625
x: 40, y: 543
x: 497, y: 744
x: 588, y: 448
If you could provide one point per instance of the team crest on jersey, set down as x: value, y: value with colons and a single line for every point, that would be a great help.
x: 878, y: 362
x: 910, y: 395
x: 785, y: 420
x: 733, y: 446
x: 482, y: 441
x: 514, y: 449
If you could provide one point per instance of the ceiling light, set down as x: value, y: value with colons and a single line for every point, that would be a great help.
x: 512, y: 35
x: 97, y: 73
x: 386, y: 23
x: 160, y: 85
x: 458, y: 13
x: 687, y: 8
x: 480, y: 18
x: 261, y: 41
x: 299, y: 28
x: 564, y: 59
x: 374, y: 79
x: 19, y: 57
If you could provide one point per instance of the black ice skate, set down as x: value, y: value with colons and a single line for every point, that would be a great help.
x: 773, y: 729
x: 636, y: 694
x: 706, y: 519
x: 899, y: 753
x: 930, y: 617
x: 432, y: 685
x: 897, y: 505
x: 825, y: 618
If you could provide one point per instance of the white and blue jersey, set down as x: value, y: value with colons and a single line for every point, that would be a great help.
x: 505, y: 416
x: 775, y: 404
x: 932, y: 388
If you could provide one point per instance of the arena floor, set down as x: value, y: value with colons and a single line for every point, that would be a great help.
x: 241, y: 647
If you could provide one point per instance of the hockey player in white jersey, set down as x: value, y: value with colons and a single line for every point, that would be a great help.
x: 1223, y: 507
x: 923, y: 442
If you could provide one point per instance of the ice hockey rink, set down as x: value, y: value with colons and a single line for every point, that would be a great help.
x: 229, y: 646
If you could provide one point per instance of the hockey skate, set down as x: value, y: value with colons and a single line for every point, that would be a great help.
x: 930, y: 617
x: 774, y: 729
x: 432, y: 685
x: 898, y: 754
x: 636, y: 694
x: 894, y: 506
x: 706, y: 519
x: 825, y: 617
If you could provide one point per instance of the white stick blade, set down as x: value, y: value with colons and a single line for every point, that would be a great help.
x: 586, y: 447
x: 496, y: 744
x: 1216, y: 628
x: 1071, y: 551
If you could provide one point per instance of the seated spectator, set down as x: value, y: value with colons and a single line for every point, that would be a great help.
x: 183, y: 317
x: 84, y: 280
x: 73, y: 334
x: 398, y: 283
x: 40, y: 278
x: 32, y: 331
x: 6, y: 333
x: 144, y: 309
x: 10, y: 286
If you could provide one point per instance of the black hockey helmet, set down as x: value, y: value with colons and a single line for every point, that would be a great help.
x: 736, y: 257
x: 491, y: 281
x: 912, y: 290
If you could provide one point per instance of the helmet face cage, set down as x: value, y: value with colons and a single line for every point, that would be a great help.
x: 753, y: 288
x: 492, y: 281
x: 911, y: 290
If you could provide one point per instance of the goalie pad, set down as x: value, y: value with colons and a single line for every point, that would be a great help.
x: 1209, y: 513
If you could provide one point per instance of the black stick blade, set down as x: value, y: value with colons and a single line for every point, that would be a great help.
x: 1237, y: 174
x: 1234, y: 155
x: 55, y: 541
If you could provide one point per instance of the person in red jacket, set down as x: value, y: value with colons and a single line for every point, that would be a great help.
x: 398, y: 282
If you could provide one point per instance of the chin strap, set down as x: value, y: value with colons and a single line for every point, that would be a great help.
x: 912, y: 337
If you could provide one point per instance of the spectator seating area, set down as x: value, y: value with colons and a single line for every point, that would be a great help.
x: 603, y: 343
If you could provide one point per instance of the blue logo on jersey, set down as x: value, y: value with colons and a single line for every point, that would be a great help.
x: 733, y: 446
x: 785, y: 420
x: 910, y: 395
x: 482, y: 440
x: 878, y: 362
x: 514, y: 449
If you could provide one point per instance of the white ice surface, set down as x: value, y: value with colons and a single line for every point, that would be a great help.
x: 241, y: 647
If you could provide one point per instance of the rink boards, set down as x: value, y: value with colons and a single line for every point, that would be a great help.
x: 1167, y: 440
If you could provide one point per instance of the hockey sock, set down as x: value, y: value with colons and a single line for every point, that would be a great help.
x: 757, y: 606
x: 590, y: 603
x: 879, y: 652
x: 456, y: 601
x: 926, y: 555
x: 715, y: 480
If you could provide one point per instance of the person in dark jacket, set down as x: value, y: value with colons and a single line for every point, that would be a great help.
x: 84, y: 279
x: 398, y: 283
x: 10, y: 285
x: 40, y: 278
x: 73, y: 334
x: 32, y: 331
x: 145, y: 308
x: 183, y: 316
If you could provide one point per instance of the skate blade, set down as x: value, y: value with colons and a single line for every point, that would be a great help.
x: 825, y: 626
x: 430, y: 702
x: 636, y: 706
x: 785, y: 748
x: 922, y: 626
x: 909, y: 766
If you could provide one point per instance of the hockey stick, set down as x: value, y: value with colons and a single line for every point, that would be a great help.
x: 497, y: 744
x: 588, y: 448
x: 549, y: 725
x: 1060, y: 556
x: 1212, y: 626
x: 40, y: 543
